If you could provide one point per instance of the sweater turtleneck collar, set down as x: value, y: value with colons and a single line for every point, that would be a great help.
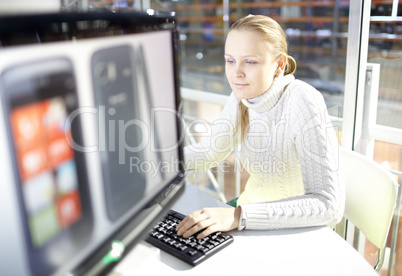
x: 268, y: 99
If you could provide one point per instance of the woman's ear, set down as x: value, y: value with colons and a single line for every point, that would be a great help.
x: 282, y: 62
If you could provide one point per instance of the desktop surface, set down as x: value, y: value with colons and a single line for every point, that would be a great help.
x: 304, y: 251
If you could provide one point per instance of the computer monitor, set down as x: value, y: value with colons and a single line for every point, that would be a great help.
x: 89, y: 135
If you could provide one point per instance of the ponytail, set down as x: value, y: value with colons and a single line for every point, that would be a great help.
x: 291, y: 66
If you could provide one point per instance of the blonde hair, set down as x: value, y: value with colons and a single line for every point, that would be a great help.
x: 270, y: 31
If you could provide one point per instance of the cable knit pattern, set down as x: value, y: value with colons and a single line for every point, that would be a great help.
x: 291, y: 153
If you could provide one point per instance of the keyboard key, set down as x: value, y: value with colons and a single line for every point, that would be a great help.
x: 192, y: 252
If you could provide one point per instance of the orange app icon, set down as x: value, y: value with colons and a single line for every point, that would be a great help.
x: 69, y: 209
x: 26, y: 124
x: 59, y: 151
x: 32, y: 162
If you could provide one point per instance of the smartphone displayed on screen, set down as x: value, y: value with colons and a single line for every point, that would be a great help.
x: 52, y: 181
x: 120, y: 133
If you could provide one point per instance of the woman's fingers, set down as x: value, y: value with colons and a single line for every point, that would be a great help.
x: 193, y: 223
x: 209, y: 220
x: 197, y: 228
x: 185, y: 224
x: 209, y: 230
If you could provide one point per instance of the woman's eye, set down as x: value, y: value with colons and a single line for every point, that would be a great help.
x: 249, y: 62
x: 229, y: 61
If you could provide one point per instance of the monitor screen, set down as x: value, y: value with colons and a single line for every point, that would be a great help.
x: 90, y: 135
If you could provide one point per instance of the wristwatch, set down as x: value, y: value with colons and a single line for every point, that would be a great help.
x: 242, y: 220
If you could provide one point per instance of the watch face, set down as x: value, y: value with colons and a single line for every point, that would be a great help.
x: 242, y: 224
x: 242, y: 220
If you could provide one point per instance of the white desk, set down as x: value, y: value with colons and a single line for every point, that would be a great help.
x: 310, y: 251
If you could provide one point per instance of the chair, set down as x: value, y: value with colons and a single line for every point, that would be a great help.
x: 371, y: 193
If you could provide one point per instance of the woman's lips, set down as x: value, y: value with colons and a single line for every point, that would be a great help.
x: 240, y: 85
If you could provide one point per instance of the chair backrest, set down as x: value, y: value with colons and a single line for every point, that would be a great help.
x: 371, y: 193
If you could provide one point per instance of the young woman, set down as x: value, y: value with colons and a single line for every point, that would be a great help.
x: 287, y: 142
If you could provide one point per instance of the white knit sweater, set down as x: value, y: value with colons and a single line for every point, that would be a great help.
x: 291, y: 153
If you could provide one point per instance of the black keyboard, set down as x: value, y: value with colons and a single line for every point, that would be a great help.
x: 190, y: 250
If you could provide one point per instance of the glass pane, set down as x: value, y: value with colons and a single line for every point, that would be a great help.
x: 317, y: 40
x: 201, y: 28
x: 381, y: 8
x: 385, y: 48
x: 388, y: 155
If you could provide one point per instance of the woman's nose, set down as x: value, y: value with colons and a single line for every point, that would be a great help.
x: 239, y: 72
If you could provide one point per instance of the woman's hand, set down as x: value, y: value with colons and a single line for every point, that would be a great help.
x: 211, y: 220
